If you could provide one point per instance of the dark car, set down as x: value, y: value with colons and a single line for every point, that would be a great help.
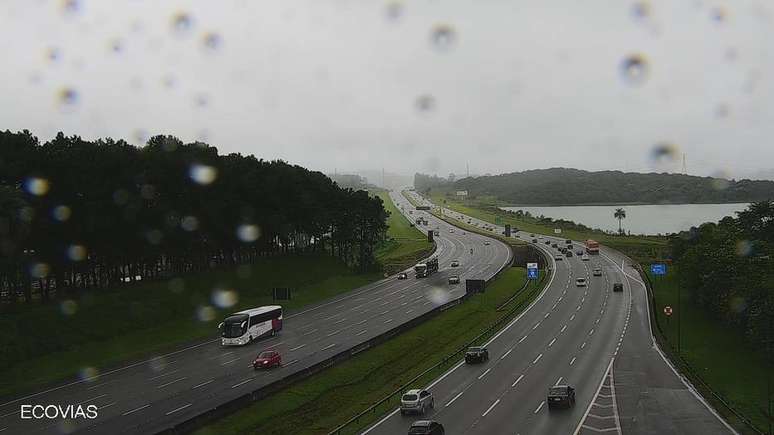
x: 568, y: 241
x: 426, y: 427
x: 548, y: 242
x: 554, y: 245
x: 402, y: 275
x: 476, y: 354
x: 534, y: 240
x: 618, y: 287
x: 568, y: 253
x: 267, y: 359
x: 561, y: 395
x: 570, y: 247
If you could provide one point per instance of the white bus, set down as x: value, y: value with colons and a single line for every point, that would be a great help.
x: 245, y: 326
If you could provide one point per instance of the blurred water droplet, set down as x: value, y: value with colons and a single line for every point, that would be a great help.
x: 68, y: 307
x: 722, y: 110
x: 738, y: 304
x: 425, y: 103
x: 147, y: 191
x: 244, y: 271
x: 39, y: 270
x: 120, y: 197
x: 158, y: 363
x: 76, y: 252
x: 248, y: 233
x: 67, y: 97
x: 438, y: 296
x: 205, y: 313
x: 731, y: 54
x: 181, y: 23
x: 212, y: 41
x: 641, y: 10
x: 744, y: 248
x: 176, y: 285
x: 202, y: 174
x: 203, y: 135
x: 634, y: 69
x: 189, y: 223
x: 224, y: 298
x: 168, y: 81
x: 443, y: 36
x: 61, y: 213
x: 116, y: 45
x: 140, y: 136
x: 36, y: 186
x: 70, y: 6
x: 52, y: 54
x: 718, y: 14
x: 154, y: 237
x: 88, y: 374
x: 26, y: 214
x: 664, y: 156
x: 394, y: 10
x: 201, y: 100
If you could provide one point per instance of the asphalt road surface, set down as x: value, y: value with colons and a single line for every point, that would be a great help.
x: 151, y: 395
x: 589, y: 337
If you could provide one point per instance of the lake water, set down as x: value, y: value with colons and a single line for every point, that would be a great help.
x: 640, y: 219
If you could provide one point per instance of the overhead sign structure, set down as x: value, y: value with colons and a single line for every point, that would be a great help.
x: 532, y: 271
x: 668, y: 310
x: 557, y: 231
x: 658, y: 269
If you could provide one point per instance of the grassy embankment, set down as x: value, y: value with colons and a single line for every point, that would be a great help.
x: 322, y: 402
x: 405, y: 244
x: 716, y: 352
x: 46, y: 343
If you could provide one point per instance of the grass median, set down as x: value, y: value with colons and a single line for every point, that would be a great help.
x: 716, y: 353
x: 320, y: 403
x: 405, y: 244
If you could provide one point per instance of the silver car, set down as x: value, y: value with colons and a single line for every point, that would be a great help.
x: 418, y: 401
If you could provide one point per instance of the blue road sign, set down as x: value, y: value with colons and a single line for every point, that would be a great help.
x: 658, y: 269
x: 532, y: 271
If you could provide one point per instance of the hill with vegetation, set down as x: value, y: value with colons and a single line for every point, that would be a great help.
x: 563, y: 186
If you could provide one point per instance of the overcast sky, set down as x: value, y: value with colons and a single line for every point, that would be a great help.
x: 349, y: 85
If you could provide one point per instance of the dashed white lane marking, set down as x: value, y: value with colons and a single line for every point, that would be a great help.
x: 136, y: 409
x: 539, y: 407
x: 229, y: 361
x: 537, y: 359
x: 559, y: 381
x: 165, y: 374
x: 572, y: 317
x: 523, y: 338
x: 490, y: 408
x: 388, y: 321
x: 241, y: 383
x: 339, y: 321
x: 517, y: 380
x: 361, y: 332
x: 563, y: 328
x: 485, y: 373
x: 297, y: 347
x: 552, y: 342
x: 333, y: 333
x: 310, y: 332
x: 454, y: 398
x: 583, y: 345
x: 536, y: 326
x: 290, y: 363
x: 572, y: 361
x: 506, y: 353
x: 328, y: 347
x: 179, y: 409
x: 172, y: 382
x: 203, y: 384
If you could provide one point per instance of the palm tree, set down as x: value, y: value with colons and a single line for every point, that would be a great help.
x: 620, y: 214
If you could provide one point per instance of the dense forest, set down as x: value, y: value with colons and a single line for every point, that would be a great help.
x: 77, y: 214
x: 729, y: 268
x: 560, y: 186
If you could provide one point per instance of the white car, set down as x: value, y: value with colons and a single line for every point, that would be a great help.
x: 454, y: 279
x: 580, y: 282
x: 486, y: 243
x: 418, y: 401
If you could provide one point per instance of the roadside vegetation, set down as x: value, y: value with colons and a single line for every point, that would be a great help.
x: 320, y: 403
x: 404, y: 244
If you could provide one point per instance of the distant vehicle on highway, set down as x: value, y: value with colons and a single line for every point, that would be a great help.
x: 417, y: 401
x: 422, y: 270
x: 597, y: 272
x: 426, y: 427
x: 558, y: 258
x: 486, y: 242
x: 568, y: 241
x: 267, y: 359
x: 455, y: 263
x: 547, y: 242
x: 402, y: 275
x: 568, y: 253
x: 245, y: 326
x: 476, y: 354
x: 570, y: 247
x: 554, y: 245
x: 436, y: 233
x: 579, y: 252
x: 592, y: 247
x: 580, y: 282
x: 618, y: 287
x: 534, y: 240
x: 454, y: 279
x: 532, y: 234
x: 451, y: 230
x: 585, y: 257
x: 561, y: 395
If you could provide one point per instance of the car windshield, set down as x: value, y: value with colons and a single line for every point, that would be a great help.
x: 474, y: 349
x: 557, y: 391
x: 266, y: 355
x: 410, y: 397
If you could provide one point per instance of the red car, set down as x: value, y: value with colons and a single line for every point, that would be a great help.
x: 267, y: 359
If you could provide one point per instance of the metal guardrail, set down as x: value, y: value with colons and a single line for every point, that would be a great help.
x: 371, y: 410
x: 686, y: 366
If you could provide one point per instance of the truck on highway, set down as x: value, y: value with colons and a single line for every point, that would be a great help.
x: 427, y: 268
x: 423, y: 207
x: 592, y: 247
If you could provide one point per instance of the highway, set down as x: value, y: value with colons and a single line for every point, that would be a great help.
x: 151, y: 395
x: 589, y: 337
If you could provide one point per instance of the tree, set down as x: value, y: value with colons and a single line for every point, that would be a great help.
x: 620, y: 214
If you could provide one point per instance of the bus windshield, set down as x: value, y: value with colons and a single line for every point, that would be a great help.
x: 234, y: 326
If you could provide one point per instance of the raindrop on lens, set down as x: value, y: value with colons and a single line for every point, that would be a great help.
x: 205, y: 313
x: 641, y: 10
x: 88, y: 374
x: 70, y: 6
x: 158, y: 363
x: 116, y: 46
x: 720, y: 180
x: 39, y: 270
x: 181, y: 23
x: 738, y: 304
x: 664, y: 155
x: 202, y: 174
x: 52, y: 54
x: 394, y: 10
x: 36, y: 186
x: 120, y: 197
x: 438, y: 296
x: 189, y: 223
x: 76, y: 252
x: 744, y: 248
x: 223, y: 298
x: 67, y: 97
x: 443, y: 36
x: 176, y: 285
x: 68, y: 307
x: 248, y: 233
x: 154, y: 237
x: 212, y: 41
x: 634, y: 69
x: 147, y: 191
x: 62, y: 213
x: 425, y: 103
